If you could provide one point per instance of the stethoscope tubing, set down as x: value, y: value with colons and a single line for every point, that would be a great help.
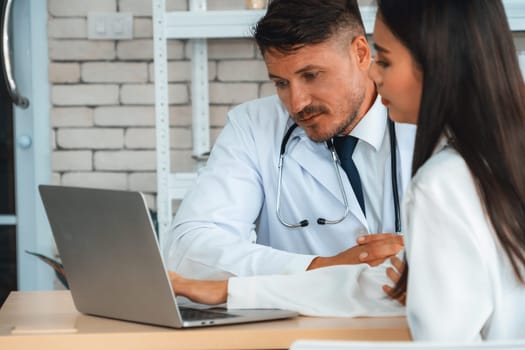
x: 393, y: 166
x: 336, y: 161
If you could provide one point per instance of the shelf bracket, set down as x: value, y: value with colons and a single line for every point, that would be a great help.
x: 162, y: 125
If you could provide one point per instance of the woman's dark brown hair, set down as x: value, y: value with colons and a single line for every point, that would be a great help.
x: 474, y: 89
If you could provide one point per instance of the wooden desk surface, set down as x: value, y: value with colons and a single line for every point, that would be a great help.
x: 48, y: 320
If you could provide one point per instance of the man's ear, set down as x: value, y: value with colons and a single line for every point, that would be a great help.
x: 361, y: 50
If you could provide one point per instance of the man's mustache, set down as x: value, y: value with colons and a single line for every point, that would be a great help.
x: 309, y: 111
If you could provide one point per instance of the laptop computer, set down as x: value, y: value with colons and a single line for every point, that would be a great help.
x: 113, y: 264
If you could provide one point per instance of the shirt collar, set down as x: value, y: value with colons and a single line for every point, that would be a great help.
x: 371, y: 128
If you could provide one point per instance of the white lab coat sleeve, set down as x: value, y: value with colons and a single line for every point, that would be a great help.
x: 336, y: 291
x: 212, y: 235
x: 449, y: 292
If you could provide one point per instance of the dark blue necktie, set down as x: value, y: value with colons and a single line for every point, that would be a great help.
x: 344, y: 146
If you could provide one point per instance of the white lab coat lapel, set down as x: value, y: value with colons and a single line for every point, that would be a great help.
x: 316, y: 159
x: 405, y: 135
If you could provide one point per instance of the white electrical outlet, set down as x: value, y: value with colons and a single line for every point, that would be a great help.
x: 110, y: 25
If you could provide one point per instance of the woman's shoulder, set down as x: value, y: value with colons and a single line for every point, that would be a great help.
x: 446, y: 168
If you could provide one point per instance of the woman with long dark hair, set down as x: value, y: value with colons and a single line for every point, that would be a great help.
x: 451, y: 67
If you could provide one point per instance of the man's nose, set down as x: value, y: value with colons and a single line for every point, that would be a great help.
x: 299, y: 99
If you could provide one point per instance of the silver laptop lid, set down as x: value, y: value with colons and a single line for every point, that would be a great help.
x: 110, y: 254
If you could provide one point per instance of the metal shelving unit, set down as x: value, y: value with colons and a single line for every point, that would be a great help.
x: 198, y: 25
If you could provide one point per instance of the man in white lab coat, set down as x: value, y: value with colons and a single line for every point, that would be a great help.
x: 233, y: 224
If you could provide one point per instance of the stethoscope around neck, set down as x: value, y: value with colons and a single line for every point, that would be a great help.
x: 335, y: 162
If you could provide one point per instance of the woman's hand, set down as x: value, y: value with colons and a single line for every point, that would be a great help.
x: 394, y: 274
x: 200, y: 291
x: 370, y: 249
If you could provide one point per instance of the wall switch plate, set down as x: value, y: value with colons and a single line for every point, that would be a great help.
x: 110, y: 25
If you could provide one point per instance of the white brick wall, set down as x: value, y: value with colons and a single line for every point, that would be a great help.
x: 102, y: 92
x: 144, y: 138
x: 110, y: 72
x: 124, y: 160
x: 116, y: 181
x: 180, y: 71
x: 242, y: 70
x: 64, y: 73
x: 124, y: 116
x: 67, y: 28
x: 71, y: 116
x: 96, y: 138
x: 77, y: 8
x: 80, y: 50
x: 144, y: 182
x: 85, y: 95
x: 103, y: 115
x: 229, y: 49
x: 72, y: 161
x: 232, y: 93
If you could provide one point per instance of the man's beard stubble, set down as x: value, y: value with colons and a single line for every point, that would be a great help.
x: 341, y: 129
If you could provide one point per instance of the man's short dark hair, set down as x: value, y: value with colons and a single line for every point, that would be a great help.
x: 291, y: 24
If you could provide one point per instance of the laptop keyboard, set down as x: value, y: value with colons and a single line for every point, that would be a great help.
x: 189, y: 314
